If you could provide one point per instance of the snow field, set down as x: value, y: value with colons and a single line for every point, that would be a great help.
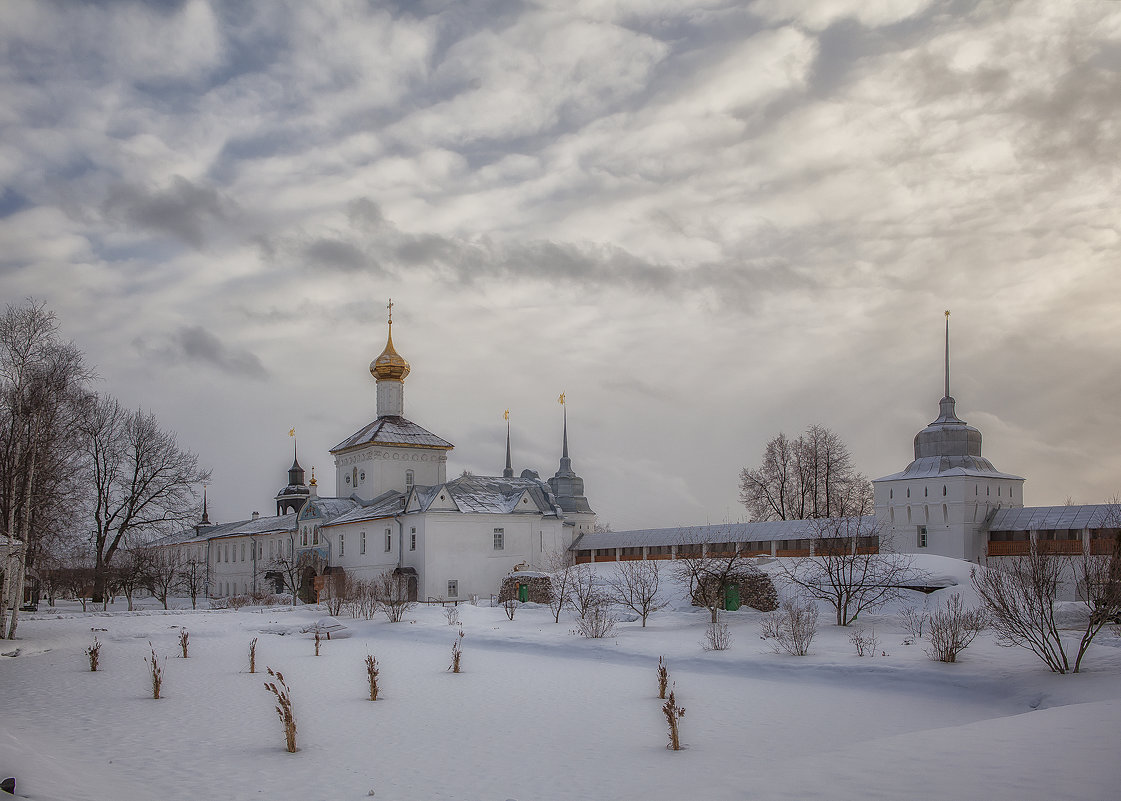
x: 540, y: 714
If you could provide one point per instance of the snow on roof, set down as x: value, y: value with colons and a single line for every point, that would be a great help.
x: 238, y: 528
x: 391, y: 430
x: 1030, y: 518
x: 940, y: 466
x: 494, y: 495
x: 696, y: 535
x: 387, y: 504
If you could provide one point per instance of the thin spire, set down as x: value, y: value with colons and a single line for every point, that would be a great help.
x: 205, y: 517
x: 509, y: 471
x: 565, y: 462
x: 564, y: 453
x: 947, y: 353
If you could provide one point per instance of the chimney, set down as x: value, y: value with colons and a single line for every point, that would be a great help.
x: 256, y: 515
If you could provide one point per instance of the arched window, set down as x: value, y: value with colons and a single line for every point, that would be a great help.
x: 925, y: 491
x: 908, y: 492
x: 354, y: 476
x: 945, y: 514
x: 892, y: 511
x: 891, y: 493
x: 304, y: 540
x: 409, y: 478
x: 943, y: 490
x: 315, y: 536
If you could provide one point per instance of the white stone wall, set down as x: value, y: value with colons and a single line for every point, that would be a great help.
x: 372, y: 470
x: 953, y: 520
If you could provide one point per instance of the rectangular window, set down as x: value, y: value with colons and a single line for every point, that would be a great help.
x: 242, y: 551
x: 362, y: 543
x: 388, y: 541
x: 922, y: 536
x: 499, y: 539
x: 412, y: 541
x: 342, y: 545
x: 453, y: 588
x: 315, y: 536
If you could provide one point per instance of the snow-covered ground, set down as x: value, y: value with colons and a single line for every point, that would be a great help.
x: 540, y: 713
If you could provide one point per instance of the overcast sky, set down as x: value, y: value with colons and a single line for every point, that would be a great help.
x: 706, y: 222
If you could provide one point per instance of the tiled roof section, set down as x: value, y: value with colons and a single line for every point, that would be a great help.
x: 494, y: 495
x: 385, y: 505
x: 389, y: 430
x: 1043, y: 518
x: 695, y: 535
x: 239, y: 528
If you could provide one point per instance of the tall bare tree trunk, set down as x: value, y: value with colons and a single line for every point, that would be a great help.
x: 21, y: 569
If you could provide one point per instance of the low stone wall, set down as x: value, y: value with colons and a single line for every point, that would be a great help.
x: 539, y: 584
x: 756, y: 590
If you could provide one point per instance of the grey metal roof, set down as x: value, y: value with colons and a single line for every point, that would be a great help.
x: 391, y: 430
x: 385, y: 505
x: 238, y: 528
x: 1042, y: 518
x: 326, y: 509
x: 941, y: 466
x: 493, y: 495
x: 696, y: 535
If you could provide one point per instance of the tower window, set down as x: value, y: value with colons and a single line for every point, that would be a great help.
x: 908, y: 492
x: 315, y: 536
x: 890, y: 493
x: 922, y: 536
x: 409, y: 479
x: 388, y: 541
x: 925, y: 491
x: 412, y: 541
x: 943, y: 490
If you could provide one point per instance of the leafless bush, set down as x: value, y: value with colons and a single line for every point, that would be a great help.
x: 253, y: 655
x: 673, y: 714
x: 362, y: 601
x: 865, y: 641
x: 597, y: 622
x: 452, y: 615
x: 155, y: 671
x: 372, y: 676
x: 914, y: 620
x: 584, y: 591
x: 510, y: 606
x: 94, y: 653
x: 238, y: 601
x: 953, y: 628
x: 717, y: 637
x: 791, y: 628
x: 318, y: 639
x: 338, y: 590
x: 279, y: 688
x: 183, y: 637
x: 663, y: 677
x: 392, y: 593
x: 560, y: 567
x: 635, y: 585
x: 457, y: 653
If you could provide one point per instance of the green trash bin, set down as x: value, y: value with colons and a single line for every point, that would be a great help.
x: 732, y: 597
x: 523, y: 592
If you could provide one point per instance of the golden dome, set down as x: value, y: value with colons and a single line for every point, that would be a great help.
x: 389, y: 365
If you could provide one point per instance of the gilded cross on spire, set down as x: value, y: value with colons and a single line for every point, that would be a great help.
x: 390, y: 307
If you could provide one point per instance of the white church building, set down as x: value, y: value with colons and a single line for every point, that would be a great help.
x: 394, y: 510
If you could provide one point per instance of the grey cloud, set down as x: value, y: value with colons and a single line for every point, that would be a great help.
x: 196, y: 344
x: 337, y: 254
x: 184, y: 210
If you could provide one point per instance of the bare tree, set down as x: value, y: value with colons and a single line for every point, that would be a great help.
x: 559, y: 565
x: 339, y: 589
x: 131, y: 573
x: 852, y: 567
x: 165, y: 566
x: 392, y: 590
x: 41, y: 399
x: 809, y: 477
x: 191, y: 578
x: 291, y: 567
x: 635, y: 586
x: 1020, y: 596
x: 791, y: 627
x: 143, y: 482
x: 585, y: 591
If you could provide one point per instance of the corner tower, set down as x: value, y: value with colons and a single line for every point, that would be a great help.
x: 391, y: 453
x: 568, y: 488
x: 295, y: 494
x: 941, y: 501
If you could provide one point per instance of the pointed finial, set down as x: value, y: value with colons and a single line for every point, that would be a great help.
x: 390, y: 307
x: 947, y: 353
x: 205, y: 517
x: 508, y: 472
x: 313, y: 482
